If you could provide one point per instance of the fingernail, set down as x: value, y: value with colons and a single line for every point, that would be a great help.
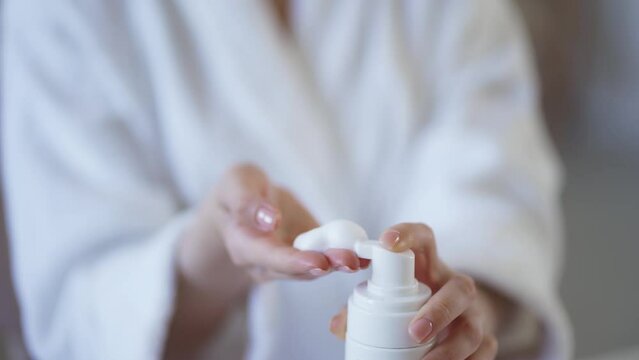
x: 317, y: 272
x: 390, y: 238
x: 420, y: 329
x: 266, y: 217
x: 346, y: 269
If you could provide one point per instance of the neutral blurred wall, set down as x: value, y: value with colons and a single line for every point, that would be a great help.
x: 588, y: 54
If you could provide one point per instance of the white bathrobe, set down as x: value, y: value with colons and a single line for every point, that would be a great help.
x: 120, y: 115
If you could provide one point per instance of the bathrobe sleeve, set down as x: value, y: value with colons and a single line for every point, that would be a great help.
x: 93, y: 218
x: 482, y: 171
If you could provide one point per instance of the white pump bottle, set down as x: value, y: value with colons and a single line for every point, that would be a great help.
x: 380, y: 309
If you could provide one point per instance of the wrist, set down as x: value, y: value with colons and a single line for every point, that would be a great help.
x: 495, y: 307
x: 206, y: 282
x: 516, y: 328
x: 199, y: 251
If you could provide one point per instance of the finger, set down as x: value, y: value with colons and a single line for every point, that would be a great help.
x: 445, y: 306
x: 487, y: 350
x: 258, y: 215
x: 406, y: 236
x: 420, y: 239
x: 364, y: 263
x: 338, y: 324
x: 244, y: 194
x: 260, y: 275
x: 283, y: 259
x: 464, y: 339
x: 342, y: 260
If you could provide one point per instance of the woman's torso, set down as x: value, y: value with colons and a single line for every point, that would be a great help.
x: 328, y: 110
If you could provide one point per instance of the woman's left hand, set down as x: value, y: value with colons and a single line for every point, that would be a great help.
x: 461, y: 314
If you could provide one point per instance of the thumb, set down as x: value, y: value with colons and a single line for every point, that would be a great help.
x: 245, y: 192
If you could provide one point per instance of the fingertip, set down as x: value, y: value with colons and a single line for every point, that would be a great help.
x: 313, y: 262
x: 342, y: 260
x: 391, y: 239
x: 334, y: 325
x: 338, y: 325
x: 317, y: 272
x: 420, y: 329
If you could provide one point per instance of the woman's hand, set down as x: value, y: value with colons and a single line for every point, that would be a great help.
x: 243, y: 230
x: 256, y: 222
x: 460, y: 313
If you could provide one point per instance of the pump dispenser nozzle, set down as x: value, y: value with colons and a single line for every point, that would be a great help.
x: 390, y: 269
x: 380, y: 309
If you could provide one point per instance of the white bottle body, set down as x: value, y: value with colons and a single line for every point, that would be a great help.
x: 377, y: 325
x: 358, y: 351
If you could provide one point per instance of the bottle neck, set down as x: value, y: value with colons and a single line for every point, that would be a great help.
x: 374, y: 299
x: 392, y: 270
x: 397, y: 291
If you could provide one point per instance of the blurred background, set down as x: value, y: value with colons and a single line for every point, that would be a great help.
x: 587, y: 52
